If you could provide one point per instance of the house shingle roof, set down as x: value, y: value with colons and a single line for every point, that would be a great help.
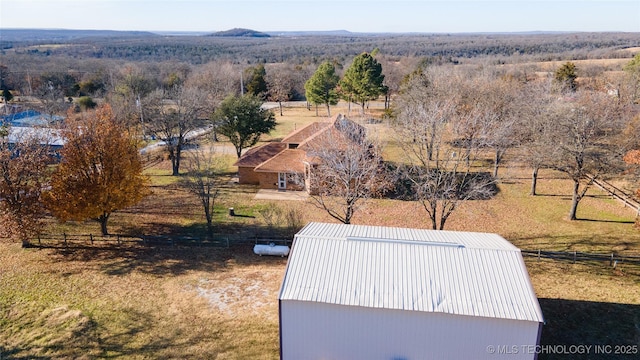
x: 287, y: 161
x: 278, y: 157
x: 306, y: 132
x: 260, y: 154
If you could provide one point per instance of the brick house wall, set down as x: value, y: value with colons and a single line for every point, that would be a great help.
x: 246, y: 175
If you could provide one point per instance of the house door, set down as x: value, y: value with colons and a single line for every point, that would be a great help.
x: 282, y: 181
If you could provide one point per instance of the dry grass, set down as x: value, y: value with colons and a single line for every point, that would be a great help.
x: 139, y: 303
x: 613, y: 64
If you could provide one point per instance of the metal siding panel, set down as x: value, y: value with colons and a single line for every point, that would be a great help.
x: 337, y: 296
x: 377, y: 282
x: 352, y: 283
x: 344, y: 332
x: 323, y: 272
x: 475, y: 280
x: 459, y: 284
x: 363, y: 281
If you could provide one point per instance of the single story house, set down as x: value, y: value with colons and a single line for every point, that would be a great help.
x: 372, y: 292
x: 286, y: 165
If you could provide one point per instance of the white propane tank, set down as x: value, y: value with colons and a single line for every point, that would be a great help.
x: 271, y: 249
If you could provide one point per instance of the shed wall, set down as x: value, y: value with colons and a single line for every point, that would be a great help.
x: 312, y: 330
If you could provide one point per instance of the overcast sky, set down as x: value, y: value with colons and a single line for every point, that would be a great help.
x: 354, y: 15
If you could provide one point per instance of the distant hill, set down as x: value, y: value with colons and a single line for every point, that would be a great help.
x: 40, y: 35
x: 316, y: 33
x: 238, y: 32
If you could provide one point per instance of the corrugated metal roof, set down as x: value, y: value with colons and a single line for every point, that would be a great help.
x: 47, y: 136
x: 462, y: 273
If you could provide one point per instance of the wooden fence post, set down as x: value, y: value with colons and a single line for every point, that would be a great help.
x: 91, y: 238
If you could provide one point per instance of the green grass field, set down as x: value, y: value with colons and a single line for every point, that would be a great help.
x: 134, y: 302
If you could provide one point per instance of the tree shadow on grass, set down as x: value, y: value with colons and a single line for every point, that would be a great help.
x: 168, y: 260
x: 124, y: 338
x: 563, y: 196
x: 570, y: 242
x: 135, y: 324
x: 607, y: 221
x: 611, y: 326
x: 176, y: 250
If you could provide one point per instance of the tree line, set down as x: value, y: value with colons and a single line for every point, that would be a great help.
x: 446, y: 121
x: 444, y: 117
x: 197, y: 50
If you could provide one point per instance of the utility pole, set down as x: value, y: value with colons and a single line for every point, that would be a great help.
x: 139, y: 106
x: 241, y: 84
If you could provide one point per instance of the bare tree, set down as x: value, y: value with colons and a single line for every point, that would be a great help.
x: 204, y: 179
x: 471, y: 122
x: 347, y: 170
x: 435, y: 173
x: 173, y: 116
x: 498, y: 103
x: 584, y: 143
x: 51, y: 97
x: 280, y: 82
x: 217, y: 80
x: 533, y: 128
x: 394, y: 72
x: 441, y: 190
x: 422, y: 116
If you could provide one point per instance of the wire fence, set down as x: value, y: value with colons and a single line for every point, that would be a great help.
x: 618, y: 194
x: 65, y: 240
x: 575, y: 256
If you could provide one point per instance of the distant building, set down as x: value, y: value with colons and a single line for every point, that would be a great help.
x: 30, y: 124
x: 371, y: 292
x: 27, y: 118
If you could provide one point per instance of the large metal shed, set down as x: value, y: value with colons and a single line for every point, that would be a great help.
x: 371, y: 292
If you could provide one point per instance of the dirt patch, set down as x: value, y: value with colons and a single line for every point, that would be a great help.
x: 250, y: 291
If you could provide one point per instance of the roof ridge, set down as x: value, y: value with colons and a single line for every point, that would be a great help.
x: 298, y: 131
